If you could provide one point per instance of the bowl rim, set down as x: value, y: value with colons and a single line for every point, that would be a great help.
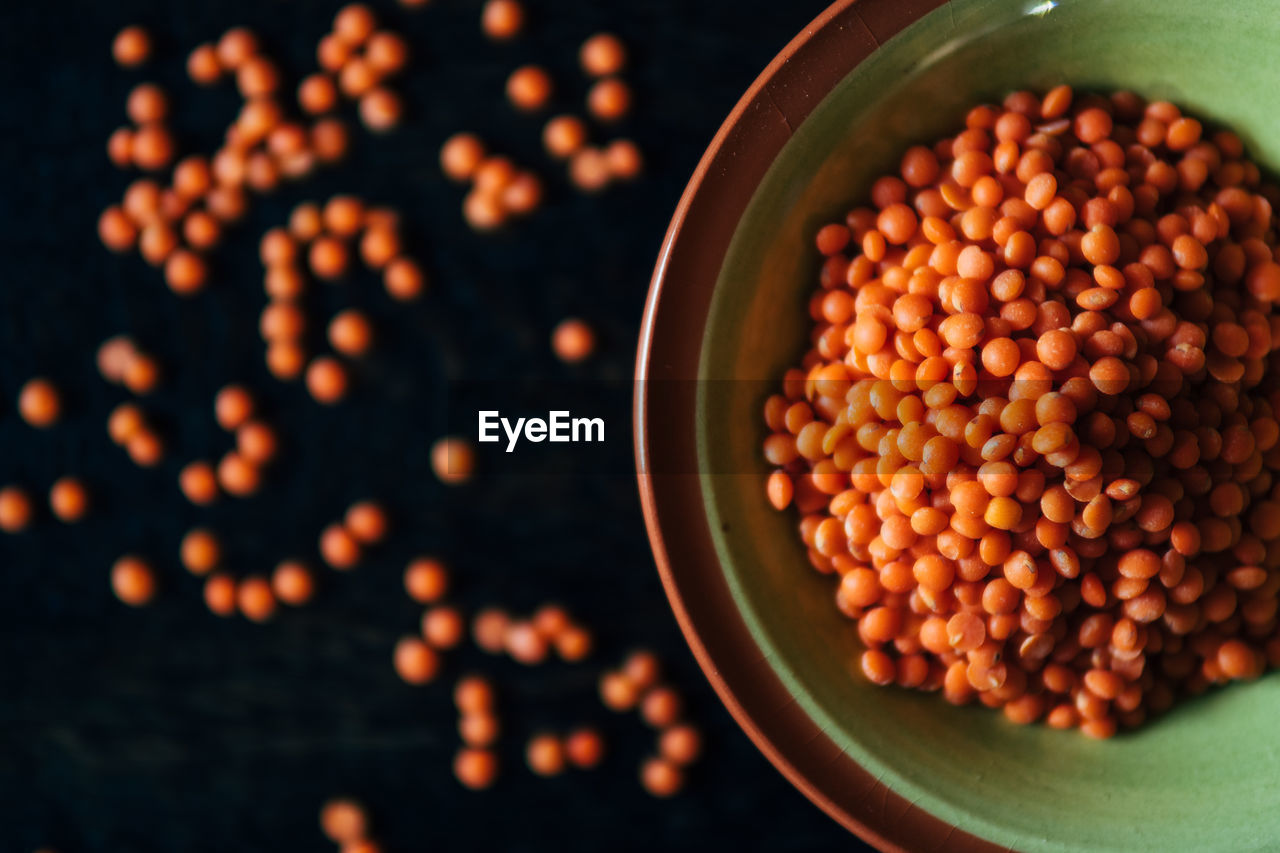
x: 669, y: 347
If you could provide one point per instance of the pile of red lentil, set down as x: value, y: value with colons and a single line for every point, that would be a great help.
x: 1035, y: 435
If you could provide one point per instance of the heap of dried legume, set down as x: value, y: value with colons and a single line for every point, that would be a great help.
x: 1035, y: 435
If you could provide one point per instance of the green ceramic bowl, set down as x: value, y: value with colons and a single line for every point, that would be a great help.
x: 729, y: 303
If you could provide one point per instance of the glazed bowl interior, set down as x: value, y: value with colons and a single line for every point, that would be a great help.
x: 1205, y: 776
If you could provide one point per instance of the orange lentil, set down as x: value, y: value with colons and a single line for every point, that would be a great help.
x: 317, y: 94
x: 220, y: 594
x: 584, y: 748
x: 145, y: 448
x: 185, y: 272
x: 329, y: 140
x: 473, y: 695
x: 152, y: 148
x: 661, y: 707
x: 415, y: 661
x: 69, y: 499
x: 379, y: 246
x: 387, y: 52
x: 562, y: 136
x: 203, y: 66
x: 461, y: 155
x: 617, y: 692
x: 200, y: 229
x: 609, y: 99
x: 256, y: 442
x: 572, y: 340
x: 367, y: 522
x: 502, y: 20
x: 426, y: 580
x: 354, y: 24
x: 529, y: 88
x: 326, y: 380
x: 232, y: 406
x: 339, y: 548
x: 120, y: 147
x: 573, y: 644
x: 199, y: 483
x: 343, y: 215
x: 131, y: 47
x: 661, y: 777
x: 15, y: 509
x: 589, y: 170
x: 116, y: 231
x: 443, y: 627
x: 523, y: 195
x: 452, y: 460
x: 350, y: 333
x: 483, y: 211
x: 39, y: 403
x: 545, y: 755
x: 380, y: 109
x: 602, y: 54
x: 476, y: 769
x: 237, y: 475
x: 489, y: 629
x: 681, y: 744
x: 344, y: 821
x: 255, y: 598
x: 124, y: 422
x: 200, y: 551
x: 524, y: 643
x: 133, y: 581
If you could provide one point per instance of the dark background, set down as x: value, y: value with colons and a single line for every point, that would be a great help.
x: 170, y: 729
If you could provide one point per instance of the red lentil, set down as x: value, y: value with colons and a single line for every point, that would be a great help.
x: 344, y: 821
x: 256, y: 599
x: 198, y: 483
x: 39, y: 403
x: 545, y: 755
x: 564, y: 136
x: 292, y: 583
x: 69, y: 499
x: 572, y: 340
x: 1037, y: 427
x: 452, y: 460
x: 426, y: 580
x: 609, y: 99
x: 661, y: 707
x: 350, y: 333
x: 443, y: 627
x: 15, y: 509
x: 584, y: 748
x: 529, y: 88
x: 404, y: 279
x: 133, y: 581
x: 220, y: 594
x: 415, y: 662
x: 132, y: 46
x: 200, y: 551
x: 602, y: 54
x: 339, y: 548
x: 489, y: 630
x: 327, y: 380
x: 661, y: 777
x: 681, y: 744
x: 476, y: 769
x: 502, y: 19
